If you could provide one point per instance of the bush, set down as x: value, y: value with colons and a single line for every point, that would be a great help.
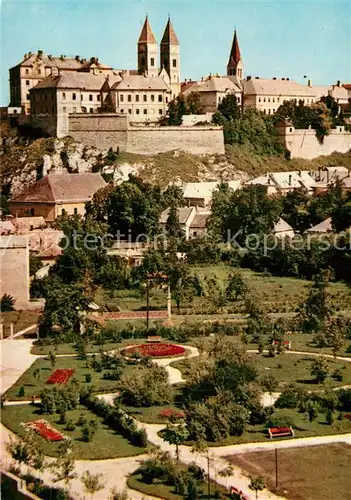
x: 88, y: 378
x: 21, y: 391
x: 70, y: 426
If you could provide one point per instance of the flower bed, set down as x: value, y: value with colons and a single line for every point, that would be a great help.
x: 60, y: 376
x: 155, y: 350
x: 170, y: 414
x: 348, y: 416
x: 45, y: 430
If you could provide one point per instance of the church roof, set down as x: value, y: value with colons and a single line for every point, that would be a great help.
x: 77, y: 80
x: 262, y: 86
x: 235, y: 55
x: 169, y: 35
x: 147, y: 34
x: 212, y: 84
x: 141, y: 82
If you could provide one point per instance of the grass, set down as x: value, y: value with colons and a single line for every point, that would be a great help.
x: 19, y: 319
x: 33, y: 388
x: 275, y: 294
x: 105, y: 444
x: 288, y: 368
x: 93, y: 348
x: 166, y: 491
x: 313, y: 472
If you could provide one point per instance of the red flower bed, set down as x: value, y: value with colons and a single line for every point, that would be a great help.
x: 45, y: 430
x: 155, y: 350
x: 171, y: 414
x: 348, y: 416
x: 60, y: 376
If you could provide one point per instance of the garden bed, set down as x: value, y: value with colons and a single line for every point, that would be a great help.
x: 155, y: 350
x: 45, y: 430
x: 60, y: 376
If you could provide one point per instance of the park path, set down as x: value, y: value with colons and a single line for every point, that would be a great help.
x: 16, y: 358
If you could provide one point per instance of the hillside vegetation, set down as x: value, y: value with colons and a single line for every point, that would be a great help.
x: 23, y: 157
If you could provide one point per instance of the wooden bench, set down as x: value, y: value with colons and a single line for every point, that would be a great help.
x: 154, y: 339
x: 280, y: 432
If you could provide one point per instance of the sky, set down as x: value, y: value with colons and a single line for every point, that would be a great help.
x: 277, y: 38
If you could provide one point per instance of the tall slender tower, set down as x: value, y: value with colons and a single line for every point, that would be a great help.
x: 235, y: 66
x: 170, y: 57
x: 147, y: 51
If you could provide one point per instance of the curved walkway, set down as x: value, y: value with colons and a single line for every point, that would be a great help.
x: 17, y: 358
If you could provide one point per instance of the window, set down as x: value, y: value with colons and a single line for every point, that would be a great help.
x: 152, y: 98
x: 27, y: 71
x: 74, y: 110
x: 160, y: 111
x: 129, y: 98
x: 278, y: 99
x: 273, y: 99
x: 174, y: 63
x: 64, y: 109
x: 75, y: 211
x: 28, y: 97
x: 122, y: 111
x: 290, y: 129
x: 264, y: 99
x: 159, y: 97
x: 137, y: 98
x: 98, y: 97
x: 121, y: 98
x: 31, y: 211
x: 129, y: 111
x: 259, y: 99
x: 90, y: 97
x: 166, y: 100
x: 144, y: 97
x: 269, y: 99
x: 269, y: 111
x: 152, y: 61
x: 238, y: 99
x: 63, y: 96
x: 74, y: 96
x: 81, y: 97
x: 39, y: 71
x: 145, y: 111
x: 63, y: 212
x: 27, y: 82
x: 91, y: 110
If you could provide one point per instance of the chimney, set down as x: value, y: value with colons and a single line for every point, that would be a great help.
x: 77, y: 58
x: 283, y: 79
x: 248, y: 78
x: 288, y: 79
x: 290, y: 178
x: 310, y: 83
x: 274, y: 77
x: 40, y: 54
x: 257, y: 77
x: 338, y: 83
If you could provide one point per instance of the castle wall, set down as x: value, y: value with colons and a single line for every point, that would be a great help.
x: 103, y: 131
x: 303, y: 143
x: 195, y: 140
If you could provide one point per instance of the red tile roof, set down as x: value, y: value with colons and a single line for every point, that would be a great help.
x: 146, y: 34
x: 169, y: 35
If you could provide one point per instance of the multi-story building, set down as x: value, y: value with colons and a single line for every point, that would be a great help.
x: 142, y: 94
x: 36, y: 67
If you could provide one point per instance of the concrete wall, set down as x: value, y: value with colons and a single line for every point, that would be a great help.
x: 15, y: 486
x: 14, y: 265
x: 304, y: 143
x: 195, y: 140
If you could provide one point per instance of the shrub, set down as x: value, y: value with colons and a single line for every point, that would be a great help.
x: 7, y: 303
x: 70, y: 426
x: 21, y: 391
x: 88, y: 378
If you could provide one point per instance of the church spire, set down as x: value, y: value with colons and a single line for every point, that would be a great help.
x: 235, y: 63
x: 169, y: 35
x: 147, y: 35
x: 235, y: 55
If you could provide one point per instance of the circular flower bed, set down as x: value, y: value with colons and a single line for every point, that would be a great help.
x: 155, y: 350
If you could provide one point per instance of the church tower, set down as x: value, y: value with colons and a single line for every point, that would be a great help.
x: 235, y: 66
x: 147, y: 51
x: 170, y: 57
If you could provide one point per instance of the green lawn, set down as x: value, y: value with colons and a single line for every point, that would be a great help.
x: 277, y: 294
x: 105, y: 444
x: 302, y: 428
x: 70, y: 348
x: 287, y: 368
x: 166, y: 491
x: 32, y: 387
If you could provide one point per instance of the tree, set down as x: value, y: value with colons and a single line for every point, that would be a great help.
x: 329, y: 416
x: 176, y: 434
x: 236, y: 286
x: 226, y: 472
x: 92, y: 482
x: 7, y: 303
x: 257, y: 484
x: 64, y: 470
x: 118, y: 495
x: 52, y: 359
x: 311, y: 410
x: 173, y: 227
x: 319, y: 369
x: 335, y: 335
x: 314, y: 311
x: 228, y: 109
x: 146, y: 386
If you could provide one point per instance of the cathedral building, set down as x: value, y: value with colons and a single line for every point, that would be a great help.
x: 43, y: 85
